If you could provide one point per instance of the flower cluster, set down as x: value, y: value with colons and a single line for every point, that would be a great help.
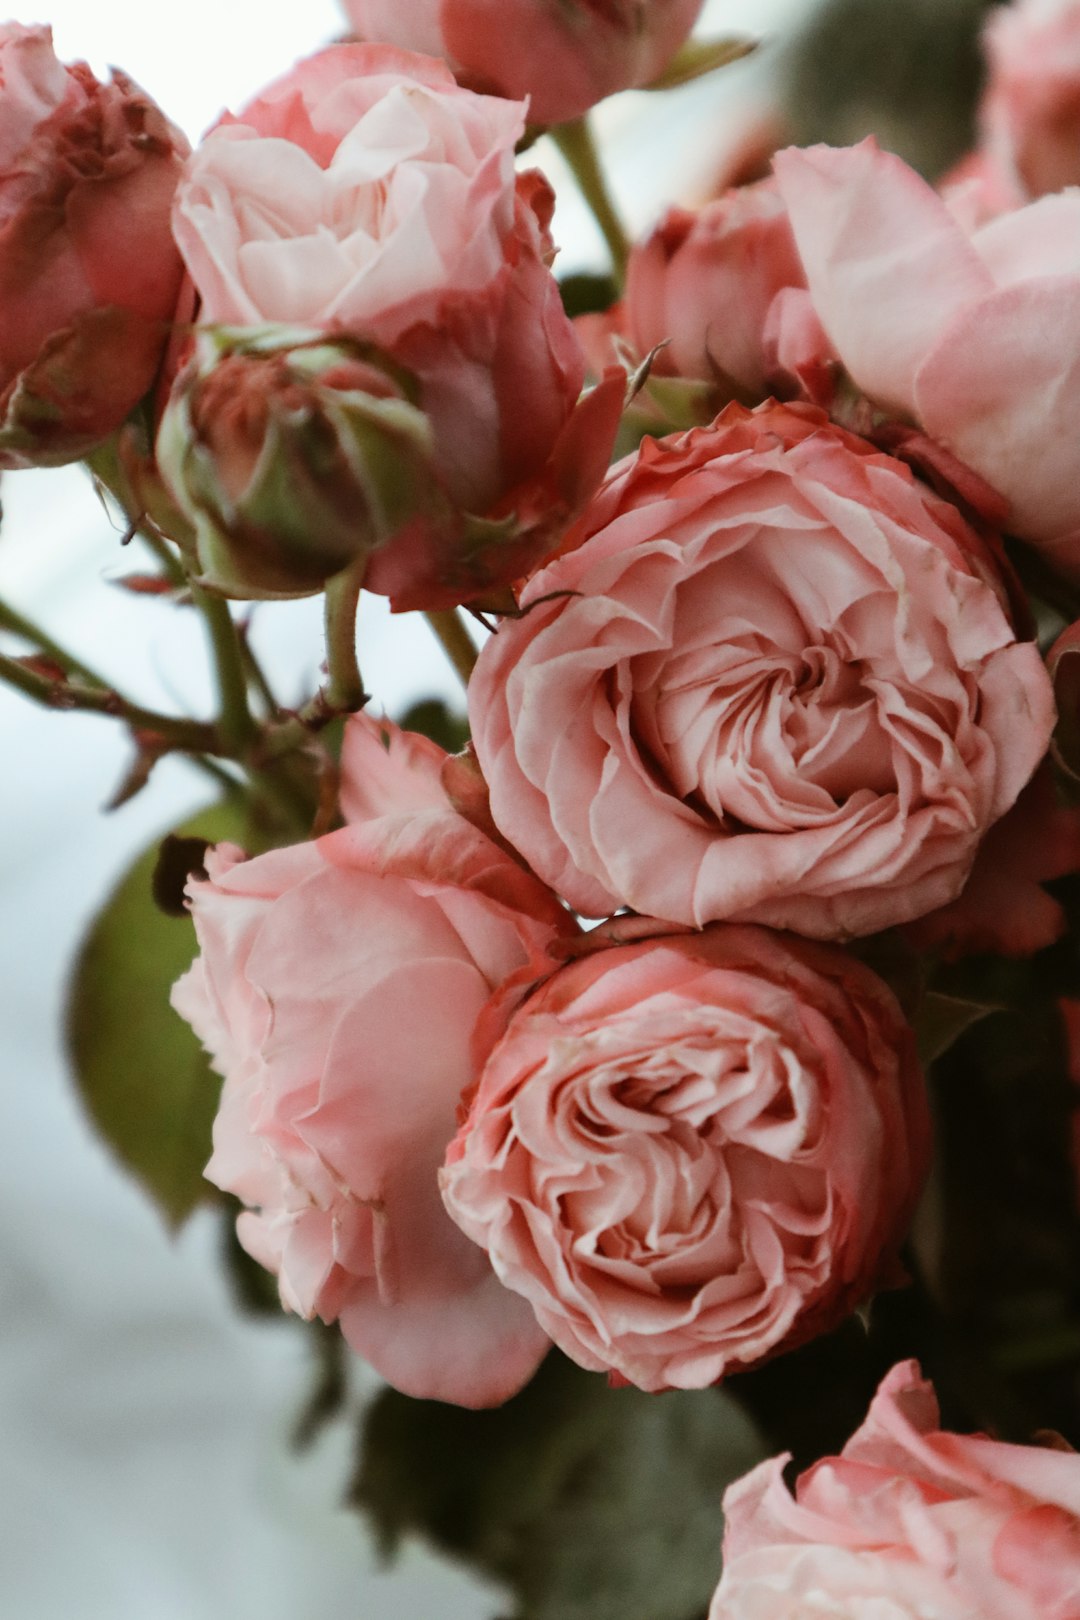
x: 771, y: 695
x: 573, y: 1037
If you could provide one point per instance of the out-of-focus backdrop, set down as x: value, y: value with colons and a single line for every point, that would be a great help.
x: 145, y: 1465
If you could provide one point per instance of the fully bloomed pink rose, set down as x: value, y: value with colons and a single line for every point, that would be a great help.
x: 690, y: 1153
x: 702, y: 284
x: 337, y: 990
x: 1030, y: 113
x: 365, y: 194
x: 89, y: 273
x: 907, y: 1523
x: 565, y: 55
x: 773, y: 682
x: 972, y: 334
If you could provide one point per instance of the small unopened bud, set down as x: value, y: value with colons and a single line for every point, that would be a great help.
x: 293, y: 455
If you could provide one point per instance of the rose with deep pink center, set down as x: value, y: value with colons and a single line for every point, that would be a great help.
x: 775, y: 680
x: 691, y: 1152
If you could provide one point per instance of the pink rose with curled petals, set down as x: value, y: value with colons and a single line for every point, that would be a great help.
x: 690, y: 1153
x: 1030, y: 112
x: 564, y: 55
x: 366, y: 195
x: 971, y: 333
x: 907, y: 1523
x: 702, y: 284
x: 89, y: 272
x: 775, y: 681
x: 337, y: 990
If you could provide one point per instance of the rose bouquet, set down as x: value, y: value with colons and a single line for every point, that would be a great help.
x: 703, y: 1010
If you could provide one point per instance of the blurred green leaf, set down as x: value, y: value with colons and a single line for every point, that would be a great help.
x: 591, y: 1503
x: 586, y: 292
x: 942, y: 1019
x: 698, y: 57
x: 141, y: 1073
x: 435, y: 719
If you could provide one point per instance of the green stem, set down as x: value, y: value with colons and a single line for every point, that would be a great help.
x: 344, y: 690
x: 256, y: 675
x: 456, y: 642
x: 193, y: 736
x: 19, y: 625
x: 577, y: 146
x: 237, y: 724
x: 165, y: 554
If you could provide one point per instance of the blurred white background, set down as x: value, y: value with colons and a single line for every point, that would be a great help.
x: 145, y: 1469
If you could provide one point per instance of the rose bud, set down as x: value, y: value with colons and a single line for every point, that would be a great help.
x: 89, y: 273
x: 691, y: 1153
x: 971, y: 332
x: 337, y: 990
x: 908, y: 1522
x: 291, y: 459
x: 367, y: 196
x: 773, y: 680
x: 1030, y: 113
x: 564, y: 57
x: 702, y: 283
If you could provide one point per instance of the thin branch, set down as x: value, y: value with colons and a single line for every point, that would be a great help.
x: 456, y: 642
x: 344, y: 690
x: 577, y: 146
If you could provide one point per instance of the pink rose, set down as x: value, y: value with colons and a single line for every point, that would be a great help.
x: 690, y: 1153
x: 774, y: 682
x: 89, y: 273
x: 907, y: 1523
x: 337, y: 990
x: 705, y: 280
x: 1030, y: 113
x: 974, y: 335
x: 565, y: 55
x: 366, y: 194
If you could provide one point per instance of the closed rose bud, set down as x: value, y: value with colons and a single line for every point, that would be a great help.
x: 89, y: 272
x: 702, y: 284
x: 291, y: 458
x: 565, y: 55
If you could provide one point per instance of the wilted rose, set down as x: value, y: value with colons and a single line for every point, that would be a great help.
x: 775, y: 680
x: 365, y: 195
x: 690, y: 1153
x: 565, y: 55
x: 337, y: 990
x: 907, y: 1522
x: 89, y: 272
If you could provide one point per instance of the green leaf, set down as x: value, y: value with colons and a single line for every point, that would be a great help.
x: 943, y: 1019
x: 698, y: 57
x: 587, y: 293
x: 143, y: 1078
x: 434, y: 718
x: 591, y: 1503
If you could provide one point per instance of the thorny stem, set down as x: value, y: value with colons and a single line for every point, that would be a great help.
x: 19, y: 625
x: 577, y: 146
x: 193, y: 736
x: 456, y: 642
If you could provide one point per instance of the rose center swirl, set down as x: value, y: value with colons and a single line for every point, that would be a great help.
x: 666, y: 1158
